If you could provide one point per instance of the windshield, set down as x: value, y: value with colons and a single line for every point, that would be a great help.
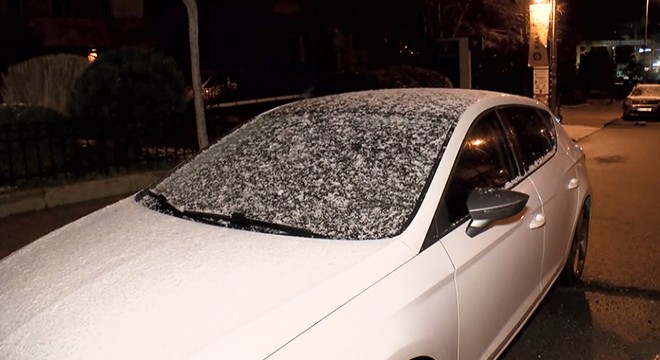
x: 341, y: 172
x: 647, y: 91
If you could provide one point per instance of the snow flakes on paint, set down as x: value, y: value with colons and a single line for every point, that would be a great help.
x: 349, y: 166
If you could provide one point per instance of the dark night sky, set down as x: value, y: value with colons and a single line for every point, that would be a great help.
x: 233, y: 33
x: 236, y: 33
x: 598, y: 19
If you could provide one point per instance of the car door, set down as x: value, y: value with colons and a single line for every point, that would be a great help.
x: 553, y: 174
x: 496, y: 272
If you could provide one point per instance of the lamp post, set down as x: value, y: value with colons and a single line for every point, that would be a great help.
x: 646, y: 35
x: 552, y: 103
x: 646, y: 24
x: 543, y: 37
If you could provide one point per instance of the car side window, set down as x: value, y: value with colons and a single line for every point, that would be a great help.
x: 534, y: 131
x: 484, y: 161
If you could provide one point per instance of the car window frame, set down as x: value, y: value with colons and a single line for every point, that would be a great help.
x: 435, y: 231
x: 544, y: 116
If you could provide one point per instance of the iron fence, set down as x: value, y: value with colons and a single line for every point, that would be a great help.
x: 53, y: 151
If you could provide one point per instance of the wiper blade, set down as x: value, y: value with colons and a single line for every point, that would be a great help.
x: 236, y: 219
x: 240, y: 220
x: 164, y: 203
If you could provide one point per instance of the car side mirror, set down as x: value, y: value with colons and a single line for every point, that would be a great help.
x: 487, y: 206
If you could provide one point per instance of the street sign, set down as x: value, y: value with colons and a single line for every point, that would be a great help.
x: 538, y: 34
x: 541, y: 83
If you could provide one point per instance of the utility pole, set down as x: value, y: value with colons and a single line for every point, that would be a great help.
x: 646, y: 36
x: 552, y: 103
x: 193, y: 26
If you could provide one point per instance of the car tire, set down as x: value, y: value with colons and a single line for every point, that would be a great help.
x: 572, y: 273
x: 626, y: 117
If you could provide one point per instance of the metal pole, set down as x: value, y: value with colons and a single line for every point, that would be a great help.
x: 646, y: 33
x: 552, y: 102
x: 646, y: 25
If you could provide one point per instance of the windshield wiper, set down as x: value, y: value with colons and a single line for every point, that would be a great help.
x: 236, y: 219
x: 164, y: 203
x: 241, y: 221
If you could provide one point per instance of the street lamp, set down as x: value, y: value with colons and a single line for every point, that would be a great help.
x: 543, y: 36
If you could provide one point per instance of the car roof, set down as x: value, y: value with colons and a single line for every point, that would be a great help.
x: 433, y: 104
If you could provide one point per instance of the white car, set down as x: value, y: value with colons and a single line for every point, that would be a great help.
x: 642, y: 102
x: 385, y: 224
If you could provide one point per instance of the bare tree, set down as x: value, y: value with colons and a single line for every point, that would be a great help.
x: 193, y: 26
x: 500, y: 23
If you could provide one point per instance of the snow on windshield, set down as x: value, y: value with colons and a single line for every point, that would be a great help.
x: 349, y: 166
x: 647, y: 90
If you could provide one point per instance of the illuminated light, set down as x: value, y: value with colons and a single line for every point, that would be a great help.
x: 539, y: 13
x: 656, y: 64
x: 643, y: 50
x: 91, y: 57
x: 477, y: 142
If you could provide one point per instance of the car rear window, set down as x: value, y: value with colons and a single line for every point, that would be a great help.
x: 646, y: 91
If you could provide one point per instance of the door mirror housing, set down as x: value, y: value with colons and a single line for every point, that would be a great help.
x: 486, y: 206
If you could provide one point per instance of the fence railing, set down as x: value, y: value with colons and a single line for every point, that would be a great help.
x: 66, y: 150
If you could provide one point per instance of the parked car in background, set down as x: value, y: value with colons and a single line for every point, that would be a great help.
x: 385, y: 224
x: 642, y: 102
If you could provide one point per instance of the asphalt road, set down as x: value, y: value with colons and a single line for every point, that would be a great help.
x: 615, y: 314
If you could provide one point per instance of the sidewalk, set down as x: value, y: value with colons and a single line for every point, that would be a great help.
x: 37, y: 199
x: 582, y: 120
x: 579, y: 132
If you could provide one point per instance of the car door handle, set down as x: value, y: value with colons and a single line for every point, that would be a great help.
x: 537, y: 222
x: 573, y: 183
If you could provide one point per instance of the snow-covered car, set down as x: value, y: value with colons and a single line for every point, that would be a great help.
x: 642, y: 102
x: 386, y: 224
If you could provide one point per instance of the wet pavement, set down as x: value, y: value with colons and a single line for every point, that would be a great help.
x: 615, y: 314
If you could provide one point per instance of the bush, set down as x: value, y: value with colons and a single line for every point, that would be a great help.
x: 44, y: 81
x: 381, y: 78
x: 12, y: 114
x: 408, y: 76
x: 130, y: 83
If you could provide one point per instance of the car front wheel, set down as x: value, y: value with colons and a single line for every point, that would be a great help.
x: 572, y: 273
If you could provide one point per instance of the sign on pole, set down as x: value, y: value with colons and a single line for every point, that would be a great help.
x: 541, y: 83
x: 538, y: 34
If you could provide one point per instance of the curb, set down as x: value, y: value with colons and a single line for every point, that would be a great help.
x: 584, y: 134
x: 43, y: 198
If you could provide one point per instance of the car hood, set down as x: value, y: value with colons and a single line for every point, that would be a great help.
x: 129, y: 282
